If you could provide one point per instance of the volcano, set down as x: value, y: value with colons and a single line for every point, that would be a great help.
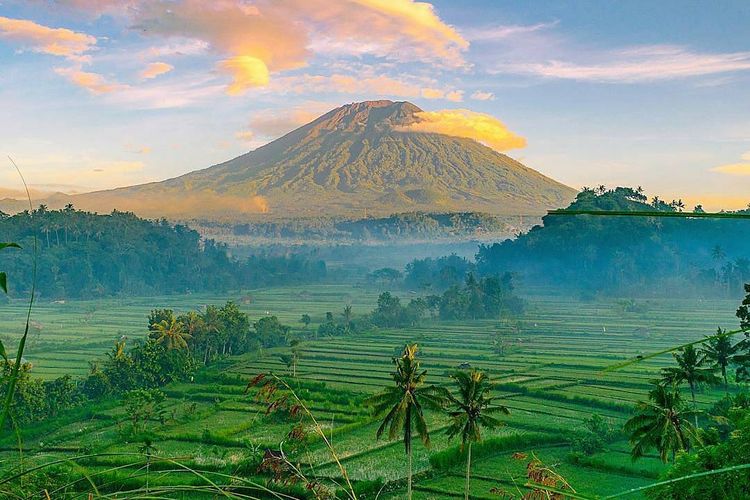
x: 354, y: 160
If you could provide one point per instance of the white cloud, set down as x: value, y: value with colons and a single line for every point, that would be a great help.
x: 480, y: 95
x: 636, y: 64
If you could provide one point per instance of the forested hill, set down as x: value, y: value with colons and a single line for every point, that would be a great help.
x: 81, y: 254
x: 602, y: 253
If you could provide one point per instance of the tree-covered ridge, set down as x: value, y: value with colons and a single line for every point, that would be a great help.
x: 395, y: 227
x: 82, y: 254
x: 626, y: 252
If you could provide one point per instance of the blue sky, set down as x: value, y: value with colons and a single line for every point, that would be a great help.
x: 103, y: 93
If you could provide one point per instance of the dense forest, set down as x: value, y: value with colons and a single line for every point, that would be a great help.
x: 411, y: 225
x: 82, y: 254
x: 626, y: 254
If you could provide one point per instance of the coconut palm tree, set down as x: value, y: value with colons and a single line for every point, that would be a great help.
x: 403, y: 404
x: 470, y: 410
x: 689, y: 369
x: 662, y: 423
x: 171, y: 333
x: 721, y: 352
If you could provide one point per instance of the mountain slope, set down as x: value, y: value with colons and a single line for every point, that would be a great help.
x: 351, y: 161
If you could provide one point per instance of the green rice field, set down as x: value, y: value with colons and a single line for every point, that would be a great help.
x: 551, y: 377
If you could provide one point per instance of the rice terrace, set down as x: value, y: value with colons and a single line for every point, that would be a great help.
x: 375, y: 250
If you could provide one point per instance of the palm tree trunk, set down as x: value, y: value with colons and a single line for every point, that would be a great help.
x: 408, y: 481
x: 692, y: 393
x: 468, y: 472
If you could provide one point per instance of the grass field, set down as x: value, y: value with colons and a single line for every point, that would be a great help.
x: 551, y: 378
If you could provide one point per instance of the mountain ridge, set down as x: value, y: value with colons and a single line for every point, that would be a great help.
x: 354, y: 159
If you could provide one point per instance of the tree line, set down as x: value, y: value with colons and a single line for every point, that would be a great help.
x: 604, y: 254
x: 174, y: 349
x: 83, y: 254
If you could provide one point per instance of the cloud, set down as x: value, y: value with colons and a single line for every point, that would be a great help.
x: 247, y: 72
x: 43, y: 39
x: 746, y: 156
x: 464, y: 123
x: 245, y: 135
x: 480, y: 95
x: 258, y: 40
x: 503, y: 32
x: 155, y: 69
x: 738, y: 169
x: 638, y: 64
x: 93, y: 82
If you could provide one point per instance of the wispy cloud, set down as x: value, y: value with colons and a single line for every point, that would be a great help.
x: 155, y: 69
x: 503, y: 32
x: 636, y: 64
x: 480, y: 95
x: 93, y: 82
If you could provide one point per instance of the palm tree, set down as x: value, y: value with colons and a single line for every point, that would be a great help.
x: 403, y: 405
x: 689, y: 369
x: 661, y: 423
x: 720, y: 350
x: 471, y: 411
x: 171, y: 333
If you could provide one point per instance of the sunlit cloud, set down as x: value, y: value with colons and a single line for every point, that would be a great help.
x: 93, y: 82
x: 247, y: 72
x: 469, y: 124
x: 43, y: 39
x: 633, y: 65
x: 256, y: 41
x: 155, y: 69
x: 739, y: 169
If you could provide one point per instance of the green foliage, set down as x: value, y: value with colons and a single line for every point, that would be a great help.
x: 437, y: 274
x: 84, y: 255
x: 270, y: 332
x: 734, y: 450
x: 143, y: 406
x: 661, y: 423
x: 626, y: 254
x: 596, y: 433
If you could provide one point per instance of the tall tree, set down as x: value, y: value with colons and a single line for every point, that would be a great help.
x: 690, y: 370
x: 661, y: 423
x: 470, y: 410
x: 171, y: 334
x: 720, y: 350
x: 403, y: 404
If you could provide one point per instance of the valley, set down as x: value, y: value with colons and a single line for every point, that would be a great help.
x: 550, y: 376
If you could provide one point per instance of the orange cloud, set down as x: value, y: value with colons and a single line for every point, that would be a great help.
x: 247, y: 72
x: 155, y: 69
x: 55, y: 41
x: 740, y: 169
x: 464, y: 123
x: 259, y: 39
x: 93, y: 82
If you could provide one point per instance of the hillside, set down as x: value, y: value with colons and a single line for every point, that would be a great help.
x: 352, y: 161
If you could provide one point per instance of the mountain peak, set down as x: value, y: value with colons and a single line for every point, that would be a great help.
x: 354, y: 159
x: 380, y: 115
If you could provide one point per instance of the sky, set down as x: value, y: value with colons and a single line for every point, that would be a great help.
x: 104, y: 93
